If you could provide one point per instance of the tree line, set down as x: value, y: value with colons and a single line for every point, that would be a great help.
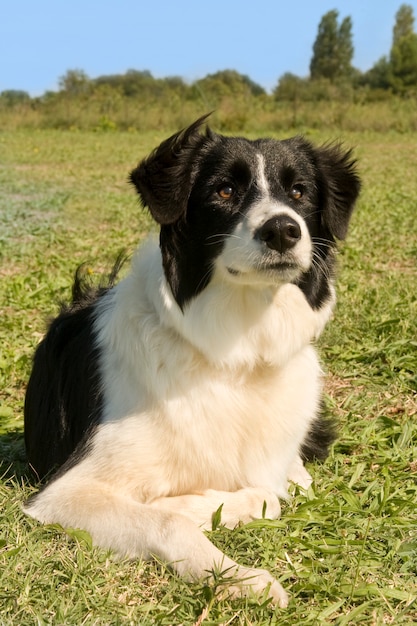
x: 118, y: 100
x: 333, y: 51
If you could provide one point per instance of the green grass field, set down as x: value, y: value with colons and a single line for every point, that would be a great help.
x: 346, y: 550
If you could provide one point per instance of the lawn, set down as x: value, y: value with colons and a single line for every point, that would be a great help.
x: 346, y: 550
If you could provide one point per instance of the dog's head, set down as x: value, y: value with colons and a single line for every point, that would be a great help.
x: 261, y: 212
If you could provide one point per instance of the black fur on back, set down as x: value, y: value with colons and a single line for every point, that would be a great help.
x: 63, y: 402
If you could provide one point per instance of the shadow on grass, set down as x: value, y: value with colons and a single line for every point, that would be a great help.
x: 13, y: 461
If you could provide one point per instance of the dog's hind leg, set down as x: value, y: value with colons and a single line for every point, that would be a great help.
x: 118, y: 522
x: 243, y: 505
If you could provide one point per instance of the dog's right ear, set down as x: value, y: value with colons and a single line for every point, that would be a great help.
x: 163, y: 179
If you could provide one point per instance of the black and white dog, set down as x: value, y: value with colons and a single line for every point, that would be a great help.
x: 192, y: 384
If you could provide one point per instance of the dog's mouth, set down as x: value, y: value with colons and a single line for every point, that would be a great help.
x: 279, y: 267
x: 282, y: 266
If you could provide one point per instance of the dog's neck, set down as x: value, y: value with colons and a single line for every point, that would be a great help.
x: 238, y: 327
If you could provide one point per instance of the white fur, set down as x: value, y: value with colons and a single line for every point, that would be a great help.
x: 208, y: 378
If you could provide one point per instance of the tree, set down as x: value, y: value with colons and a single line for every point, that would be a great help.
x: 14, y: 96
x: 403, y: 57
x: 290, y: 87
x: 404, y: 23
x: 132, y: 83
x: 379, y: 76
x: 74, y: 82
x: 345, y: 48
x: 332, y: 49
x: 229, y: 83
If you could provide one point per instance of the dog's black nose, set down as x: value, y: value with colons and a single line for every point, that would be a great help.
x: 280, y: 233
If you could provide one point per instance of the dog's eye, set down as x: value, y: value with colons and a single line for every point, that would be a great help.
x: 225, y: 192
x: 296, y: 192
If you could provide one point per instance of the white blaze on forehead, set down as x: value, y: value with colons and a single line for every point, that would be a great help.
x: 261, y: 180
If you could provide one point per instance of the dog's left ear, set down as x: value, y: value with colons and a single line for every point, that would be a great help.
x: 340, y: 186
x: 163, y: 179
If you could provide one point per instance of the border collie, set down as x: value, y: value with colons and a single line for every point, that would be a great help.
x: 192, y: 386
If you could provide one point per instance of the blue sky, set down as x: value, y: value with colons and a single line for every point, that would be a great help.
x: 41, y: 39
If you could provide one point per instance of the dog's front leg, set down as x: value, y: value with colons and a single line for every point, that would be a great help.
x: 137, y: 530
x: 243, y: 505
x: 298, y: 474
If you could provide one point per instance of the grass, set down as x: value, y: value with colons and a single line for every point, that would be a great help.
x: 352, y: 110
x: 346, y: 550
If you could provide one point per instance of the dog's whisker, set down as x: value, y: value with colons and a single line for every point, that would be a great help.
x: 323, y: 243
x: 220, y: 238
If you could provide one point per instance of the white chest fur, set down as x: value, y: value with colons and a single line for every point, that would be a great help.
x: 233, y: 378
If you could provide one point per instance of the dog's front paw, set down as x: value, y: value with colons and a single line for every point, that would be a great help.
x: 246, y: 505
x: 257, y: 582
